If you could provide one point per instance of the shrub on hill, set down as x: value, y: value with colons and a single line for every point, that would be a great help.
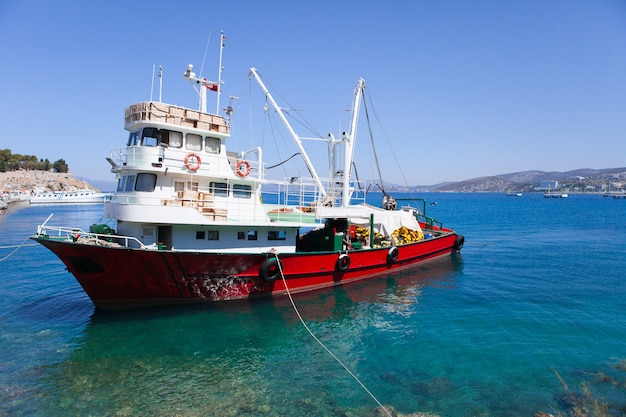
x: 13, y: 162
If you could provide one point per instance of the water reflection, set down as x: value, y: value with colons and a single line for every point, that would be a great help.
x: 240, y: 358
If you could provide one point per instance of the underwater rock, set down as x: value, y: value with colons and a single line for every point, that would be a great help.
x: 571, y: 400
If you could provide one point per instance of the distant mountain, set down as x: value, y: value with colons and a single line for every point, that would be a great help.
x: 104, y: 186
x: 584, y: 179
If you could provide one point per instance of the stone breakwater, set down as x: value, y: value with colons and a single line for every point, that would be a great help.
x: 38, y: 181
x: 17, y: 186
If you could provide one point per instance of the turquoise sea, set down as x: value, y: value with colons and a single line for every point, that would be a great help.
x: 530, y: 313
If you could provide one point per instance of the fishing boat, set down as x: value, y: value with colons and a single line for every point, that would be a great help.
x: 195, y: 223
x: 84, y: 196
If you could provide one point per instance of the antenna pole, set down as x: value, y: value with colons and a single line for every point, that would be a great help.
x: 219, y: 74
x: 160, y: 83
x: 152, y: 83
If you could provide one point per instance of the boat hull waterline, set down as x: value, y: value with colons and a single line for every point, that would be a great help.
x: 166, y: 277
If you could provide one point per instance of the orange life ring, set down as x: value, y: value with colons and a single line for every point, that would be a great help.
x: 242, y: 168
x: 192, y: 161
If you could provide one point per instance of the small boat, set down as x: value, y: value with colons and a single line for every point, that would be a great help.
x: 84, y: 196
x: 550, y: 194
x: 192, y: 225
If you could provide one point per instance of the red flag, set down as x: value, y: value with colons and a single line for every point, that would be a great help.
x: 212, y: 87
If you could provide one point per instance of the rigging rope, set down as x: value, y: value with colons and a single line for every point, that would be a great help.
x: 286, y: 160
x: 369, y: 126
x: 393, y: 154
x: 293, y: 304
x: 17, y: 247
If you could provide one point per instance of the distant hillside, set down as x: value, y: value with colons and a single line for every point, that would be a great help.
x: 37, y: 181
x: 579, y: 180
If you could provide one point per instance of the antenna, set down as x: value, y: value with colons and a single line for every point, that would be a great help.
x: 219, y: 73
x: 203, y: 84
x: 160, y: 83
x: 152, y: 83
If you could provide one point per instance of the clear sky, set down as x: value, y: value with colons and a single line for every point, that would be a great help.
x: 463, y: 88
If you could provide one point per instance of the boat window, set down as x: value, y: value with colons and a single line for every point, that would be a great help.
x: 130, y: 183
x: 219, y: 188
x: 242, y: 191
x: 200, y: 234
x: 145, y: 182
x: 276, y: 235
x: 176, y: 139
x: 192, y: 185
x: 120, y: 184
x: 179, y: 186
x: 133, y: 139
x: 171, y: 138
x: 150, y: 136
x: 253, y: 235
x: 193, y: 142
x: 241, y: 235
x: 212, y: 145
x: 213, y: 235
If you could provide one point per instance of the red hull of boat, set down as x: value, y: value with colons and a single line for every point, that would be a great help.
x: 115, y: 277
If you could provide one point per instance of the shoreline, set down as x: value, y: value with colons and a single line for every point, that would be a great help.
x: 12, y: 206
x: 27, y: 181
x: 16, y: 187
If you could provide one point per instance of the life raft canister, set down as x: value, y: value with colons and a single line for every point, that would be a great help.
x: 343, y: 263
x: 392, y: 255
x: 192, y: 161
x: 242, y: 168
x: 270, y: 270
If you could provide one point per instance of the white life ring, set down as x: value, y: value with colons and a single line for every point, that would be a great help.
x: 192, y: 161
x: 242, y: 168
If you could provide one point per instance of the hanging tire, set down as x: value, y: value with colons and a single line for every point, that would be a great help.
x: 392, y: 255
x: 343, y: 263
x: 458, y: 243
x: 270, y: 270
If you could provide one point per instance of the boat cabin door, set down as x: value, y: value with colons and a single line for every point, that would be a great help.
x: 165, y: 236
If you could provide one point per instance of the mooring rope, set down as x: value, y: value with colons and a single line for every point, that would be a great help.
x: 17, y: 247
x: 293, y: 304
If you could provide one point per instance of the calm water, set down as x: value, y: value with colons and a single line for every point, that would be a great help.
x: 539, y: 287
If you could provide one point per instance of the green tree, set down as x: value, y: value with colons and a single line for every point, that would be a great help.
x: 60, y: 166
x: 44, y: 165
x: 5, y: 154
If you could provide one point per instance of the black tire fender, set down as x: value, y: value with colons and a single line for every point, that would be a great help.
x: 343, y: 263
x: 392, y: 255
x: 270, y: 270
x: 458, y: 243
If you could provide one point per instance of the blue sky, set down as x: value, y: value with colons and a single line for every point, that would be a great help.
x: 463, y: 88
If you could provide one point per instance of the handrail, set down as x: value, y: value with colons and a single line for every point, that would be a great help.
x: 73, y: 234
x: 430, y: 222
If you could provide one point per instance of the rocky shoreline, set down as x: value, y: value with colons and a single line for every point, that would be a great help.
x: 17, y: 186
x: 39, y: 181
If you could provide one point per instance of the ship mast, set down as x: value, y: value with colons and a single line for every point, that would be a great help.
x: 219, y: 73
x: 204, y: 85
x: 348, y: 141
x: 293, y: 134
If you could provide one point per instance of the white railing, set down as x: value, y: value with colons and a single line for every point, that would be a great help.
x: 72, y: 234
